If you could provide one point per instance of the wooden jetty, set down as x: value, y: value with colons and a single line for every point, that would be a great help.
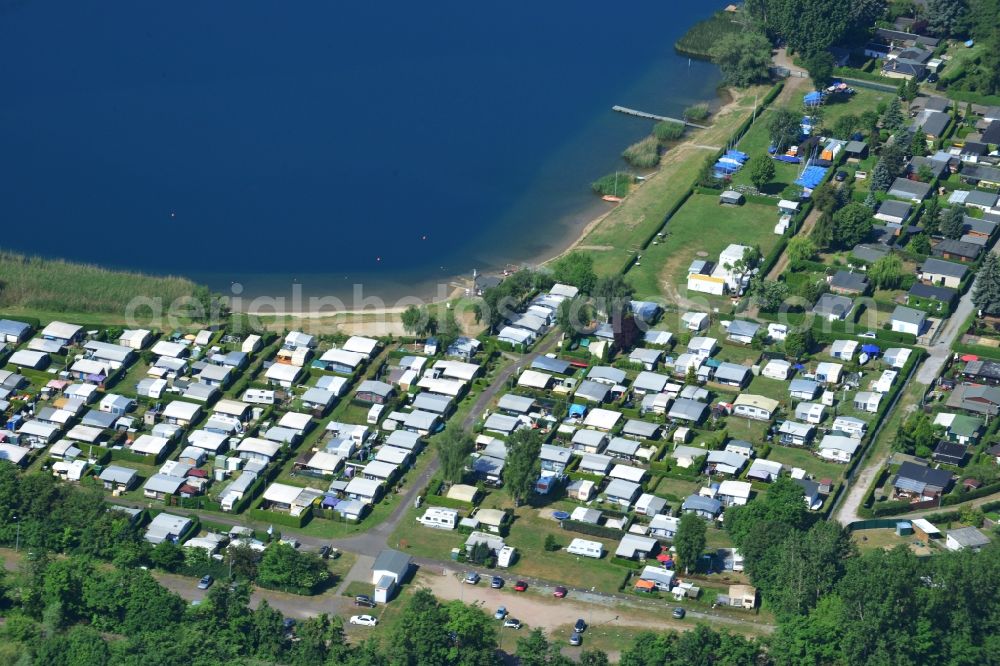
x: 652, y: 116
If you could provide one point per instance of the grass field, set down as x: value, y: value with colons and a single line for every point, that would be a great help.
x: 807, y: 460
x: 36, y: 286
x: 613, y: 241
x: 701, y: 226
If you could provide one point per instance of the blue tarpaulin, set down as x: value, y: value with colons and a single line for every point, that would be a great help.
x: 811, y: 177
x: 813, y: 99
x: 737, y: 155
x: 791, y: 159
x: 577, y: 411
x: 870, y: 349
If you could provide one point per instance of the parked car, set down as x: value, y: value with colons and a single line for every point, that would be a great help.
x: 559, y: 592
x: 364, y: 620
x: 471, y: 578
x: 867, y: 334
x: 496, y: 583
x: 511, y: 623
x: 840, y: 176
x: 288, y: 627
x: 580, y: 626
x: 501, y: 613
x: 520, y: 586
x: 575, y: 639
x: 324, y: 552
x: 679, y: 613
x: 364, y: 600
x: 205, y: 582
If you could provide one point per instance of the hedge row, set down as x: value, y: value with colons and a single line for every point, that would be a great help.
x: 591, y: 530
x: 967, y: 495
x: 285, y: 519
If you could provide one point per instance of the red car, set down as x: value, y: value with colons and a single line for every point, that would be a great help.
x: 559, y: 592
x: 520, y: 586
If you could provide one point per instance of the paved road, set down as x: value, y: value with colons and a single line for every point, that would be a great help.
x: 858, y: 483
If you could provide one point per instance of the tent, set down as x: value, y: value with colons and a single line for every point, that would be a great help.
x: 645, y: 585
x: 870, y: 349
x: 813, y: 99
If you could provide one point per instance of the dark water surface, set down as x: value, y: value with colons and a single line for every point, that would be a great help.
x: 394, y: 143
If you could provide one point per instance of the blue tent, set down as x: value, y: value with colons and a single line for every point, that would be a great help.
x: 813, y: 99
x: 870, y: 349
x: 577, y: 411
x: 737, y: 155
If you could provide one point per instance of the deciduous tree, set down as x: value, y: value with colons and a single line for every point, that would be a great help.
x: 690, y: 540
x: 760, y: 170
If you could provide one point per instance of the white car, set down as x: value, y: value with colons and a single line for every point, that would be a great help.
x: 364, y: 620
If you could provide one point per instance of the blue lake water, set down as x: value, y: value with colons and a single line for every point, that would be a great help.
x: 394, y: 143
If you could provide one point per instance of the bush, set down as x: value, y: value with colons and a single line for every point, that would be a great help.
x: 643, y: 154
x: 668, y: 131
x: 616, y: 184
x: 696, y: 112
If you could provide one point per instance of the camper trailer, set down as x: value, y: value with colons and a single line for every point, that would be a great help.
x: 586, y: 548
x: 506, y: 556
x: 437, y: 517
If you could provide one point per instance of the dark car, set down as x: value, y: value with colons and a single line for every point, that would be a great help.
x: 520, y: 586
x: 580, y: 626
x: 679, y: 613
x: 840, y: 176
x: 288, y: 626
x: 364, y: 600
x: 933, y: 78
x: 559, y: 592
x: 496, y: 583
x: 205, y: 582
x: 575, y: 639
x: 324, y: 552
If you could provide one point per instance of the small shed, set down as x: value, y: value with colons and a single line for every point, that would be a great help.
x: 731, y: 198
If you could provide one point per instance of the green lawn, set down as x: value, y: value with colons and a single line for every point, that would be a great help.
x: 807, y: 460
x: 755, y: 142
x: 701, y: 229
x: 864, y: 99
x: 770, y: 388
x: 679, y: 488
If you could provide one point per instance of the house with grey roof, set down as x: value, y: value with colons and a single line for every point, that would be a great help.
x: 641, y: 429
x: 592, y: 391
x: 869, y: 252
x: 833, y: 307
x: 742, y: 331
x: 909, y: 190
x: 848, y: 282
x: 706, y: 507
x: 957, y: 250
x: 908, y: 320
x: 687, y: 410
x: 894, y: 212
x: 649, y: 382
x: 940, y: 272
x: 731, y: 374
x: 14, y: 332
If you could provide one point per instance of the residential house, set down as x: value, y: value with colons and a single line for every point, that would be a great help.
x: 282, y: 374
x: 949, y: 453
x: 14, y: 332
x: 920, y: 294
x: 706, y: 507
x: 734, y: 493
x: 838, y: 448
x: 940, y: 272
x: 908, y: 320
x: 803, y: 389
x: 976, y: 398
x: 688, y: 410
x: 867, y: 401
x: 893, y: 212
x: 731, y: 374
x: 63, y: 333
x: 957, y: 250
x: 742, y: 331
x: 919, y: 482
x: 843, y: 349
x: 833, y: 307
x: 757, y: 407
x: 850, y: 283
x: 777, y: 369
x: 909, y: 190
x: 725, y: 462
x: 374, y: 392
x: 849, y: 425
x: 622, y: 492
x: 647, y: 358
x: 966, y: 537
x: 792, y: 433
x: 118, y: 479
x: 766, y: 471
